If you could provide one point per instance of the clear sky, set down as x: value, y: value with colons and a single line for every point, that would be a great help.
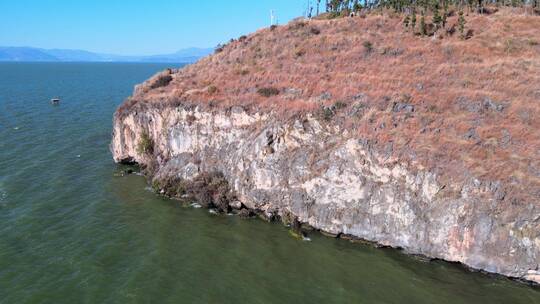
x: 135, y: 27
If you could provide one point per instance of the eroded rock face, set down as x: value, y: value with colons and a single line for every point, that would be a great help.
x: 337, y: 183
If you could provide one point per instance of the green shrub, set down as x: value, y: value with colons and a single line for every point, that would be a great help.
x: 268, y: 91
x: 327, y: 113
x: 340, y: 105
x: 212, y: 89
x: 162, y: 81
x: 368, y: 47
x: 211, y: 190
x: 299, y: 53
x: 145, y: 144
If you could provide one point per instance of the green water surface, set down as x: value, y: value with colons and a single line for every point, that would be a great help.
x: 73, y: 232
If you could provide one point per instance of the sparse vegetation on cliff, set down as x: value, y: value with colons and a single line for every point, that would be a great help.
x: 145, y: 146
x: 368, y: 46
x: 447, y: 78
x: 209, y: 189
x: 161, y: 81
x: 268, y: 91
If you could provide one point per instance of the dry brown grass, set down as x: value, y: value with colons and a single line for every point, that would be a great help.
x: 476, y: 102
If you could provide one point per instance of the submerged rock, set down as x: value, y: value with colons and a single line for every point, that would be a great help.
x: 245, y: 213
x: 237, y: 205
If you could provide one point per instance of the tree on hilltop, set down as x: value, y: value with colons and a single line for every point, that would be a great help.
x: 413, y: 21
x: 461, y: 25
x: 423, y: 27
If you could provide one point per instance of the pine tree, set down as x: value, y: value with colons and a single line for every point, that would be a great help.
x: 440, y: 8
x: 413, y: 21
x: 445, y: 14
x: 480, y: 6
x: 470, y: 3
x: 335, y: 5
x: 423, y: 29
x: 461, y: 25
x: 437, y: 20
x: 357, y: 6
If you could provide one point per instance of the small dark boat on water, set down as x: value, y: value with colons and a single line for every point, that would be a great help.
x: 55, y: 101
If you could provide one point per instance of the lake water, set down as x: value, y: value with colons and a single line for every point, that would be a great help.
x: 73, y: 232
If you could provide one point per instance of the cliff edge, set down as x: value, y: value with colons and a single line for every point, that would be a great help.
x: 360, y: 128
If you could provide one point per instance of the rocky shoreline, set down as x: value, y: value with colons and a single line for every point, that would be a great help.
x: 359, y: 129
x: 298, y: 230
x: 310, y: 171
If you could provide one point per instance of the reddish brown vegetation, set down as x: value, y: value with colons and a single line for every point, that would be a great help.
x: 459, y: 106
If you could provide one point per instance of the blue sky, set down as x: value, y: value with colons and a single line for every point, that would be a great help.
x: 135, y: 27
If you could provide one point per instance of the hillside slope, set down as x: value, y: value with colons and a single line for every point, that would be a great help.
x: 357, y: 126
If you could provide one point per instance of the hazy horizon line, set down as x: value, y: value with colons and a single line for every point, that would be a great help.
x: 105, y: 52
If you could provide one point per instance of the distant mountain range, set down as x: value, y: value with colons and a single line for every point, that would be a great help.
x: 21, y: 54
